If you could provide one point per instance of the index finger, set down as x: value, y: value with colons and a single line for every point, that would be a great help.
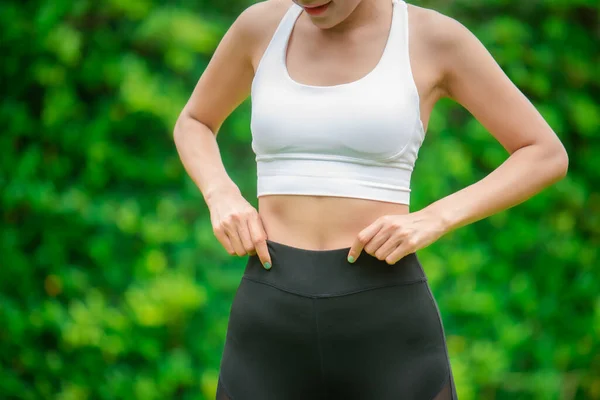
x: 362, y: 239
x: 259, y: 238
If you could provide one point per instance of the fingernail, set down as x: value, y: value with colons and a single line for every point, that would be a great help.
x: 350, y: 259
x: 267, y: 265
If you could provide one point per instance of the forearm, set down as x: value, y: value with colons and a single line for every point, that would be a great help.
x: 201, y: 158
x: 526, y: 172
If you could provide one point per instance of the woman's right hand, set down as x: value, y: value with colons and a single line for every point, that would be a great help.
x: 238, y: 226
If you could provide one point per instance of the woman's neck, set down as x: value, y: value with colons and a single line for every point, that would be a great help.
x: 368, y: 12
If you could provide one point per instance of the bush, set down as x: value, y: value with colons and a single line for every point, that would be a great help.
x: 111, y: 283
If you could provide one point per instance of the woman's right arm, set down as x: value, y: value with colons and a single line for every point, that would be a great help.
x: 223, y: 86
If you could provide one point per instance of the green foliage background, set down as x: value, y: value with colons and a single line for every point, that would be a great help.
x: 111, y: 283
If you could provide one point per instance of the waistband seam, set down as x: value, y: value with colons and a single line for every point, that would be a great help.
x: 336, y: 294
x: 225, y: 389
x: 319, y: 347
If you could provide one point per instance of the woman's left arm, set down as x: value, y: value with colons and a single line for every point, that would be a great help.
x: 537, y: 158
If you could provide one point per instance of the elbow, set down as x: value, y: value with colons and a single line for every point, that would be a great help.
x: 183, y: 125
x: 559, y: 162
x: 187, y: 123
x: 562, y: 161
x: 179, y: 125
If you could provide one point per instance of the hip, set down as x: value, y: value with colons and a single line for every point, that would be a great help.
x: 364, y: 330
x: 367, y: 294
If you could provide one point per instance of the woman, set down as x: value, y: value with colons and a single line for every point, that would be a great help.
x: 334, y: 303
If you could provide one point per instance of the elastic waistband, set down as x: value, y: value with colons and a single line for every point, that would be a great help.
x: 327, y: 273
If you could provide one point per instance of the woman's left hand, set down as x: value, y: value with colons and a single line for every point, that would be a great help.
x: 392, y: 237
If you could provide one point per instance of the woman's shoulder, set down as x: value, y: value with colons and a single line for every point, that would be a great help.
x: 260, y: 20
x: 435, y: 30
x: 450, y: 52
x: 256, y: 25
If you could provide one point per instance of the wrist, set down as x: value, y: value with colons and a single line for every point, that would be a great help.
x: 442, y: 216
x: 213, y: 193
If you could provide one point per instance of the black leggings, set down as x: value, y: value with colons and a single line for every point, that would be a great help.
x: 317, y: 327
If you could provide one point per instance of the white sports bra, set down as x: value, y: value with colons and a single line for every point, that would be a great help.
x: 358, y: 139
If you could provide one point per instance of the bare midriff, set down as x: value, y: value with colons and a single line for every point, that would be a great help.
x: 320, y: 222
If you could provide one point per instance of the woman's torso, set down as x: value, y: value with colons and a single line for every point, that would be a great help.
x: 324, y: 59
